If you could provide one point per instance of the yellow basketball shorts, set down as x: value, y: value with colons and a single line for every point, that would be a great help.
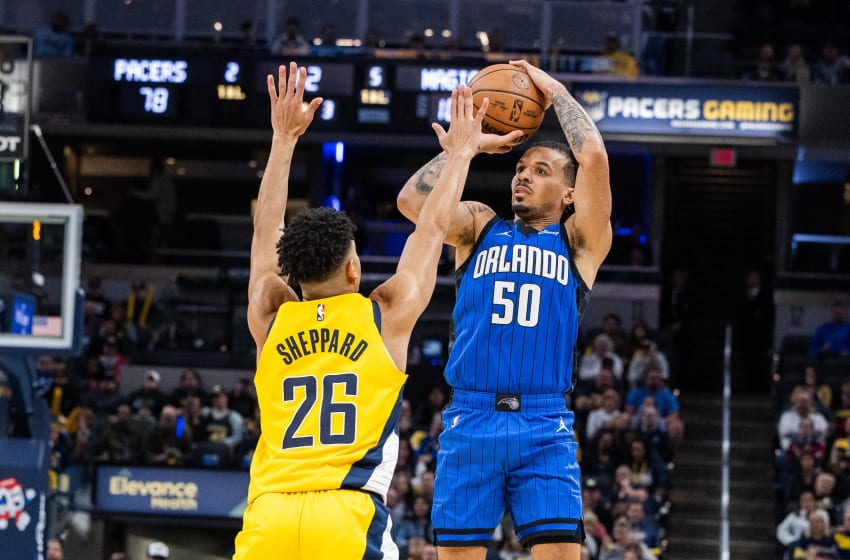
x: 324, y: 525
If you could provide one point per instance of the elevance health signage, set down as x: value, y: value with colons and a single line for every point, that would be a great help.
x: 181, y: 492
x: 746, y: 110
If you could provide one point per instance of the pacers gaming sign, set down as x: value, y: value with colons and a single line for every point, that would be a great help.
x: 692, y: 110
x: 15, y: 64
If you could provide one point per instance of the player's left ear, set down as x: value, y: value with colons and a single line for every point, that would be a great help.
x: 568, y: 195
x: 352, y: 270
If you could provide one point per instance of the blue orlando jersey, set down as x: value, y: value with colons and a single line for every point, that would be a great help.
x: 517, y: 313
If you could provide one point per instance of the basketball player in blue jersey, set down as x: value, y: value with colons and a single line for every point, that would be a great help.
x: 330, y: 369
x: 522, y: 285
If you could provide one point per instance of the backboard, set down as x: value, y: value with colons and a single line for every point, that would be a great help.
x: 39, y: 276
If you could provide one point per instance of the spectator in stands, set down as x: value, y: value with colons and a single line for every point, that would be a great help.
x: 789, y: 421
x: 426, y: 485
x: 122, y: 438
x: 53, y: 40
x: 415, y: 547
x: 142, y: 313
x: 591, y: 364
x: 105, y: 399
x: 806, y: 440
x: 190, y: 384
x: 795, y: 68
x: 95, y: 308
x: 434, y: 405
x: 664, y: 400
x: 601, y: 458
x: 755, y: 329
x: 653, y: 434
x: 247, y: 36
x: 619, y: 61
x: 842, y: 535
x: 646, y: 355
x: 404, y: 491
x: 832, y: 338
x: 406, y: 456
x: 764, y: 68
x: 595, y: 532
x: 111, y: 360
x: 799, y: 475
x: 241, y: 398
x: 817, y: 535
x: 842, y: 405
x: 648, y: 471
x: 676, y: 320
x: 327, y: 42
x: 824, y: 487
x: 621, y: 537
x: 169, y: 444
x: 831, y: 68
x: 588, y: 394
x: 54, y: 550
x: 158, y: 551
x: 405, y: 420
x: 416, y: 45
x: 428, y: 446
x: 643, y: 528
x: 839, y: 466
x: 608, y: 415
x: 148, y: 395
x: 821, y: 392
x: 291, y: 42
x: 796, y: 523
x: 62, y: 395
x: 612, y: 325
x: 592, y: 501
x: 222, y: 425
x: 417, y: 522
x: 625, y: 491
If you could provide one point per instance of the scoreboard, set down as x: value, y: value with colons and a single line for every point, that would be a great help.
x: 190, y: 87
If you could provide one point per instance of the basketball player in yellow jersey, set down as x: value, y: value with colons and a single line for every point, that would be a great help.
x: 330, y: 368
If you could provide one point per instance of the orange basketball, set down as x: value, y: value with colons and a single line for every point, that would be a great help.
x: 515, y: 102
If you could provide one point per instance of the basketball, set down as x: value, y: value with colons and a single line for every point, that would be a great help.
x: 515, y: 102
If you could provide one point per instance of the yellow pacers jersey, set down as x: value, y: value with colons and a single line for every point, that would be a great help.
x: 329, y: 396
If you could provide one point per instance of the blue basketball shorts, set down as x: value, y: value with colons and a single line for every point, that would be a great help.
x: 507, y: 453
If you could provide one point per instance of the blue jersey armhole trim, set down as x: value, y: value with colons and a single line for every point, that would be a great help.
x: 376, y: 314
x: 484, y: 231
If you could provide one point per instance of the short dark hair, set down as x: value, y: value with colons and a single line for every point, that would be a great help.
x: 314, y: 245
x: 571, y: 168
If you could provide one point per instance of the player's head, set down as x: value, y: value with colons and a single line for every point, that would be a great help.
x: 544, y: 180
x: 318, y: 247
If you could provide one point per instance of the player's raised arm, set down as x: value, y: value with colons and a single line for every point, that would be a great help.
x: 266, y: 289
x: 406, y: 294
x: 590, y: 229
x: 465, y: 216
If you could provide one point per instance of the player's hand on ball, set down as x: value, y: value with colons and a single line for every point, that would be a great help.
x: 464, y: 134
x: 498, y: 143
x: 544, y: 82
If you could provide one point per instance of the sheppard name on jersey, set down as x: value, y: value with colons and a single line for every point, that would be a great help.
x: 320, y: 340
x: 524, y: 258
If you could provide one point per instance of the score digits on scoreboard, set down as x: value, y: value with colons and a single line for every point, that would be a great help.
x: 153, y: 75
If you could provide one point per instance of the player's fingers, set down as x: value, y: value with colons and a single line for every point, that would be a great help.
x: 467, y: 100
x: 519, y: 64
x: 455, y: 101
x: 313, y: 107
x: 272, y: 89
x: 439, y: 130
x: 482, y: 110
x: 281, y: 80
x: 513, y: 136
x: 292, y: 79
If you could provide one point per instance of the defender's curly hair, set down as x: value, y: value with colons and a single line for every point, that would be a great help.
x: 314, y: 245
